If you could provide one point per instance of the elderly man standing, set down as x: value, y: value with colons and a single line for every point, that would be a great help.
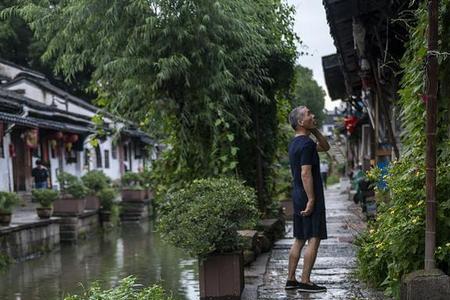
x: 308, y: 197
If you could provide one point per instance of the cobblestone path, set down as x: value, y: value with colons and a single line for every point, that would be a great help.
x: 336, y: 260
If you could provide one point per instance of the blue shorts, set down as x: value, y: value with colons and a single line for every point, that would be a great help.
x: 41, y: 185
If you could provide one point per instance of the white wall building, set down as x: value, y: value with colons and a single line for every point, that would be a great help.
x: 41, y: 121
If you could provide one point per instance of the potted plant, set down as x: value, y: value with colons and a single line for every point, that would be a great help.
x: 132, y: 187
x: 7, y: 202
x: 95, y: 181
x: 72, y: 199
x: 45, y: 198
x: 106, y: 196
x: 203, y: 219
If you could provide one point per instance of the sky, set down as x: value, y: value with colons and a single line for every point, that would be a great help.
x: 312, y: 28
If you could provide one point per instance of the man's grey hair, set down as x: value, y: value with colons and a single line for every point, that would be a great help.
x: 296, y: 116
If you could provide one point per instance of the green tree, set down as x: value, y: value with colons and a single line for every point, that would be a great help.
x: 18, y: 45
x: 308, y: 92
x: 15, y: 38
x: 195, y: 72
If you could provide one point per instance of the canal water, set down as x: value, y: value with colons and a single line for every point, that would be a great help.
x: 134, y: 249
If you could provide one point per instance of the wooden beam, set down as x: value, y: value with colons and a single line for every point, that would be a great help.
x: 431, y: 87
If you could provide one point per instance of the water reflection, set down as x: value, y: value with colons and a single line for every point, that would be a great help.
x: 135, y: 249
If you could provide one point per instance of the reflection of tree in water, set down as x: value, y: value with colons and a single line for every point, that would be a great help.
x: 19, y: 279
x: 153, y: 261
x: 132, y: 249
x: 87, y: 261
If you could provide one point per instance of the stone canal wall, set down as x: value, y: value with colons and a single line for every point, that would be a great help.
x: 27, y: 240
x: 75, y: 228
x: 28, y: 236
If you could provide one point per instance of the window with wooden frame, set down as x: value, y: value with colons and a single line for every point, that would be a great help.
x: 106, y: 157
x: 2, y: 148
x: 86, y: 157
x: 137, y: 150
x: 98, y: 157
x: 114, y: 152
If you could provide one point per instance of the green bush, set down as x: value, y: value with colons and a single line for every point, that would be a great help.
x: 282, y: 182
x: 45, y: 197
x: 393, y: 244
x: 8, y: 201
x: 204, y: 217
x: 72, y: 185
x: 147, y: 178
x: 133, y: 181
x: 107, y: 196
x: 124, y: 291
x: 95, y: 180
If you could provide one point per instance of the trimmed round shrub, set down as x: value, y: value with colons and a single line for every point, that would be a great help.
x: 204, y: 217
x: 8, y: 200
x: 95, y: 180
x: 45, y: 197
x: 131, y: 180
x: 72, y: 185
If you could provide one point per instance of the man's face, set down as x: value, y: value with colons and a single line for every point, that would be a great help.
x: 309, y: 120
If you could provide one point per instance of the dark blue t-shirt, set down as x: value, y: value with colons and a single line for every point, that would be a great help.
x: 303, y: 151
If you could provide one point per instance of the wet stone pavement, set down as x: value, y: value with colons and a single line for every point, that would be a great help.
x: 335, y: 264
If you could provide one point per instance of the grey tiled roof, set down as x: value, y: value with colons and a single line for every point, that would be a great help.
x: 45, y: 84
x: 26, y: 70
x: 43, y: 123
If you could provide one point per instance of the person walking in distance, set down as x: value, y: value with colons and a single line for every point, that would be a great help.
x: 308, y: 197
x: 324, y: 172
x: 40, y: 174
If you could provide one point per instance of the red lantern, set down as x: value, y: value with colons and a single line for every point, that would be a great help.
x: 70, y: 138
x: 350, y: 123
x: 73, y: 138
x: 57, y: 135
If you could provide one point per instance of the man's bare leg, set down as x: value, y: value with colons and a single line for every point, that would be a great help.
x: 294, y: 257
x: 310, y: 258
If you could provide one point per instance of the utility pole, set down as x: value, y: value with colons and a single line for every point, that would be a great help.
x: 431, y: 86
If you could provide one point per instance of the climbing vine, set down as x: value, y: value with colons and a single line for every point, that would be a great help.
x: 393, y: 244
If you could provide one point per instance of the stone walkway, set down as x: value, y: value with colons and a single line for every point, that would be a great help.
x: 335, y: 263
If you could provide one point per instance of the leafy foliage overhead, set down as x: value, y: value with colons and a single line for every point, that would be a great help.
x: 180, y: 68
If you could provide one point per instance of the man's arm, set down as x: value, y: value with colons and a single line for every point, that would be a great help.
x: 308, y: 185
x: 322, y: 143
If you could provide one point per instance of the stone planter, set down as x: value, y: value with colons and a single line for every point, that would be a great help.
x: 288, y: 208
x: 133, y: 195
x: 44, y: 212
x: 5, y: 218
x: 68, y: 206
x: 92, y: 202
x: 222, y: 276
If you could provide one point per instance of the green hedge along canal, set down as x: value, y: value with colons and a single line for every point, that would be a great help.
x: 133, y: 249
